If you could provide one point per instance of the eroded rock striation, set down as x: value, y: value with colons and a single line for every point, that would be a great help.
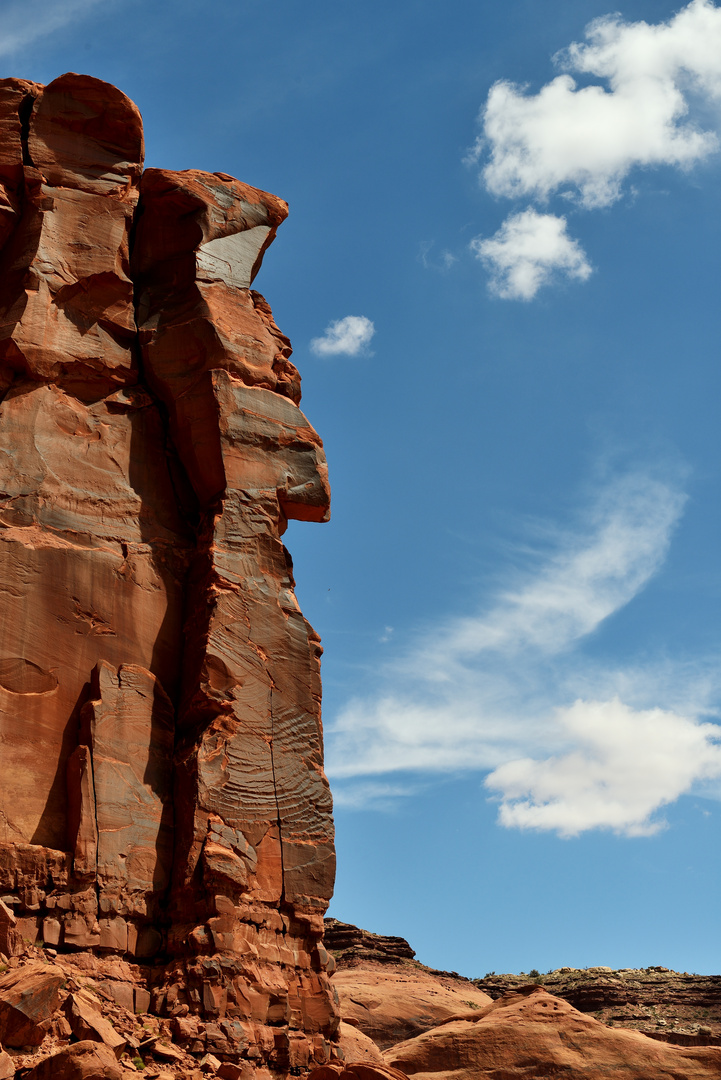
x: 163, y: 796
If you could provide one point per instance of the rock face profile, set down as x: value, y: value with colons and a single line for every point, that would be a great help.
x: 163, y: 797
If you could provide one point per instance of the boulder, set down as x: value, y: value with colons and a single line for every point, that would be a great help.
x: 390, y: 1003
x: 356, y: 1071
x: 11, y: 942
x: 28, y: 998
x: 358, y: 1047
x: 80, y: 1061
x: 87, y: 1022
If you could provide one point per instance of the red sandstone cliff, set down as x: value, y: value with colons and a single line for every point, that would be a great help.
x: 163, y: 797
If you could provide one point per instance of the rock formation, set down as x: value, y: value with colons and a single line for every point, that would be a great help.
x: 532, y: 1033
x: 351, y: 944
x: 672, y: 1006
x: 166, y: 840
x: 163, y: 796
x: 401, y: 1018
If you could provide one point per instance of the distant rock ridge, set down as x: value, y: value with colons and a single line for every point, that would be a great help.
x: 672, y: 1006
x: 401, y: 1018
x: 163, y: 797
x: 350, y: 943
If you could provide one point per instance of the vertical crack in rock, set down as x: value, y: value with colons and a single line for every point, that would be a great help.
x: 151, y: 453
x: 276, y: 794
x: 25, y: 109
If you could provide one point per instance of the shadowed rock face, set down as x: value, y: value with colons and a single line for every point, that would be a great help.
x: 163, y: 792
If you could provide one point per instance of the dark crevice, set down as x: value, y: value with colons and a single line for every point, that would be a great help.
x: 25, y: 112
x: 189, y: 513
x: 6, y: 384
x: 91, y: 763
x: 198, y: 520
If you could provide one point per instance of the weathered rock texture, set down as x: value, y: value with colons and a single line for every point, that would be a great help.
x: 163, y: 795
x: 386, y: 994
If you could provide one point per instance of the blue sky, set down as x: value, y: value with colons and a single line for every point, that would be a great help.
x: 500, y: 275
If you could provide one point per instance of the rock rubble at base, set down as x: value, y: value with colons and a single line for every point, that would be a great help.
x: 163, y: 796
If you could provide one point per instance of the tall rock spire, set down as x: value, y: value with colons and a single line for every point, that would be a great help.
x: 163, y: 795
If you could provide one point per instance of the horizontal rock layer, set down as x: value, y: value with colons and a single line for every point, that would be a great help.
x: 163, y: 791
x: 672, y: 1006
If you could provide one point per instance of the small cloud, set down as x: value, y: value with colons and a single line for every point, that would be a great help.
x: 527, y: 252
x: 386, y: 635
x: 443, y: 263
x: 344, y: 337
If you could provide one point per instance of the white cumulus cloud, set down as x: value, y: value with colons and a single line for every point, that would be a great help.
x: 584, y: 140
x: 570, y: 743
x: 625, y: 764
x: 632, y: 95
x: 528, y: 251
x: 344, y: 337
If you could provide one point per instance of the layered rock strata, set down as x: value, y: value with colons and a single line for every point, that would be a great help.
x: 375, y: 977
x: 163, y: 795
x: 672, y: 1006
x: 350, y: 944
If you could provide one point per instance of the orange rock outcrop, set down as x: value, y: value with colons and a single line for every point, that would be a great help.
x: 163, y: 796
x: 533, y: 1033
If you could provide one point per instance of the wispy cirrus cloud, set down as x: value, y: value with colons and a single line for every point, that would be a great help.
x: 344, y: 337
x: 568, y: 744
x: 656, y: 104
x: 21, y: 25
x: 440, y: 261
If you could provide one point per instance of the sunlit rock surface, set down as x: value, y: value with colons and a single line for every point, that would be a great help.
x: 163, y: 796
